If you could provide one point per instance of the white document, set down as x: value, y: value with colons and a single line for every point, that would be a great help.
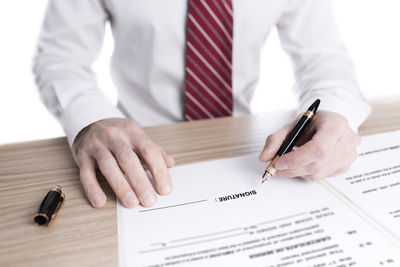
x: 373, y: 183
x: 220, y: 215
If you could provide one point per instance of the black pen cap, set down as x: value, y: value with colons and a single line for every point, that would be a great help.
x: 50, y: 205
x: 314, y: 106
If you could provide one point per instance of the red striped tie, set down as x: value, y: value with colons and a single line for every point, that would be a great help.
x: 209, y: 59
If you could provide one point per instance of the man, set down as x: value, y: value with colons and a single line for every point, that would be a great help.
x: 184, y: 60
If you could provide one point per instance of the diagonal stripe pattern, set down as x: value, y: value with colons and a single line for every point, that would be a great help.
x: 209, y: 59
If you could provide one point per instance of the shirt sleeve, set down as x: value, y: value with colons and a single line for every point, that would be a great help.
x: 322, y: 66
x: 70, y: 40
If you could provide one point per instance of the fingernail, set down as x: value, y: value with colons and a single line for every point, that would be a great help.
x: 164, y: 188
x: 131, y: 200
x: 281, y: 165
x: 97, y: 200
x: 148, y: 199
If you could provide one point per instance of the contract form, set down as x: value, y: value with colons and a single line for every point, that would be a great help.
x: 373, y: 182
x: 219, y: 214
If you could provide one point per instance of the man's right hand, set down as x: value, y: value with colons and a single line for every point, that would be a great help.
x: 114, y: 146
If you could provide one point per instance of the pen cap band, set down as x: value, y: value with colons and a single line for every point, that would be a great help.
x: 271, y: 167
x: 309, y: 114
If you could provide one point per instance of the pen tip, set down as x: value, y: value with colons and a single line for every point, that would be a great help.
x: 266, y: 176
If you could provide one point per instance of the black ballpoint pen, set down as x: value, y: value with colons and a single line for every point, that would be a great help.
x: 291, y: 138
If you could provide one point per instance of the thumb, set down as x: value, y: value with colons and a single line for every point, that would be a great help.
x: 273, y: 142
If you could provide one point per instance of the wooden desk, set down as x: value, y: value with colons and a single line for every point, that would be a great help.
x: 84, y: 236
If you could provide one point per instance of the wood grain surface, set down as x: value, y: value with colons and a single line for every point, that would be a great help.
x: 84, y: 236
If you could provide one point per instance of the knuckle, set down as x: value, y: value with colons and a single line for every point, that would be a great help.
x: 124, y: 157
x: 141, y: 184
x: 109, y: 133
x: 83, y: 174
x: 133, y: 128
x: 97, y: 150
x: 118, y: 184
x: 118, y: 144
x: 78, y: 147
x: 104, y: 159
x: 95, y: 142
x: 311, y: 168
x: 291, y: 162
x: 315, y: 168
x: 147, y: 150
x: 321, y: 151
x: 128, y: 124
x: 81, y: 155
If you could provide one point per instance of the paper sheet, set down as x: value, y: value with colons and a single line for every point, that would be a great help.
x: 220, y: 215
x: 373, y: 183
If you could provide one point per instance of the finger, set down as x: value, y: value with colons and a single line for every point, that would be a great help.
x: 291, y: 173
x: 141, y: 183
x: 320, y: 170
x: 157, y: 166
x: 87, y: 174
x: 170, y: 161
x: 135, y: 174
x: 318, y: 148
x: 273, y: 142
x: 115, y: 178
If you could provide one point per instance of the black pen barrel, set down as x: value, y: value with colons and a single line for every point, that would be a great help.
x: 294, y: 135
x: 298, y: 130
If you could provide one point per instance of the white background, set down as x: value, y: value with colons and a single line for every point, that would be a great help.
x: 370, y: 30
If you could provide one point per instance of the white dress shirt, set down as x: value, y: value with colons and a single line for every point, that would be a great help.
x: 148, y: 63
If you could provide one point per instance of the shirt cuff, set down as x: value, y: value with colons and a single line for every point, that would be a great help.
x: 356, y: 111
x: 85, y: 111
